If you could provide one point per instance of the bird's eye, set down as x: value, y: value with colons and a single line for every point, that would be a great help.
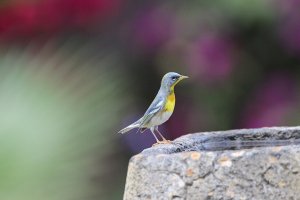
x: 174, y: 78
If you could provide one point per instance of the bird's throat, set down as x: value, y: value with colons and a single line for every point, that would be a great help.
x: 170, y: 103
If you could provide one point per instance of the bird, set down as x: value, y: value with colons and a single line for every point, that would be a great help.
x: 161, y: 108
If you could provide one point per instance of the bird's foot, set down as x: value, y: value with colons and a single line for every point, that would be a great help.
x: 166, y: 141
x: 162, y: 142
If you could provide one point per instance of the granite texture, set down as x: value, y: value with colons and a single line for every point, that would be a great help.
x: 237, y: 164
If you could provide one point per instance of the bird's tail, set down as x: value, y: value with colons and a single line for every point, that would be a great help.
x: 130, y: 127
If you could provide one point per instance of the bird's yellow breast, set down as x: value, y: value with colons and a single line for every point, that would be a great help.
x: 170, y: 104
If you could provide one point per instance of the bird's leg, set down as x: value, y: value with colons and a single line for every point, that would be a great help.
x: 157, y: 141
x: 160, y: 134
x: 165, y: 141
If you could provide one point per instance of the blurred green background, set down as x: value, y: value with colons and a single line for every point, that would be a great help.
x: 74, y: 72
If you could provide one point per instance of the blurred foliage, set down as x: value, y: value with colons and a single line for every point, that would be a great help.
x: 56, y: 121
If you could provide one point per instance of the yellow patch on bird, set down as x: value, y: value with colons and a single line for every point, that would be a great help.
x: 170, y: 104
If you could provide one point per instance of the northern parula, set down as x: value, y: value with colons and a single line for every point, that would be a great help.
x: 160, y: 109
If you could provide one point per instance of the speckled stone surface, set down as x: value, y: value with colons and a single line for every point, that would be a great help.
x: 237, y: 164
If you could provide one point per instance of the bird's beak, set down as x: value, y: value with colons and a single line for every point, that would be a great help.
x: 183, y: 77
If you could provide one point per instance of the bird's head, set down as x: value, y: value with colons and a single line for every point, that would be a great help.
x: 171, y: 79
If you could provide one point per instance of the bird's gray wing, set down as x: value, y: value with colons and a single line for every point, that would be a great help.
x: 155, y: 107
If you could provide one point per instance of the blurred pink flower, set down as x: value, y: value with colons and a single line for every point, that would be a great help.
x: 53, y: 16
x: 271, y: 103
x: 83, y: 11
x: 152, y: 28
x: 211, y: 58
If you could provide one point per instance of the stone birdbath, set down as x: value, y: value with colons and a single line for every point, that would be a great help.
x: 241, y: 164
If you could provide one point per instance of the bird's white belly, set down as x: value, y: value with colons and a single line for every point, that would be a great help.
x: 160, y: 118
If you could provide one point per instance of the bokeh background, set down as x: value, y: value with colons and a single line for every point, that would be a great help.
x: 74, y: 72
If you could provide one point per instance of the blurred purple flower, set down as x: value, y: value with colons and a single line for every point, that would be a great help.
x: 288, y: 6
x: 272, y: 102
x: 211, y: 58
x: 153, y: 28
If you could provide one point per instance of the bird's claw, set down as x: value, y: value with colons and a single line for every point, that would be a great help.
x: 162, y: 142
